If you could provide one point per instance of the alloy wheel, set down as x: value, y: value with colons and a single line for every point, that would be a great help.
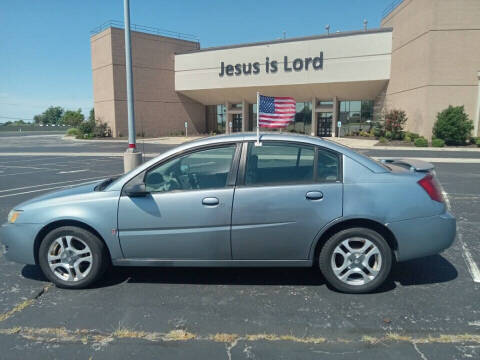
x: 356, y: 261
x: 70, y: 258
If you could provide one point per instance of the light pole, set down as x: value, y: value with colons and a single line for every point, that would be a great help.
x: 132, y: 157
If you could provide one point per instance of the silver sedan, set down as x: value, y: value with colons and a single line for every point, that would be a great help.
x: 224, y: 201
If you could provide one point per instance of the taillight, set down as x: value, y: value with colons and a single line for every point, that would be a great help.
x: 429, y: 184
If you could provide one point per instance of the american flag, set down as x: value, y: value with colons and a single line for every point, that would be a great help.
x: 276, y: 112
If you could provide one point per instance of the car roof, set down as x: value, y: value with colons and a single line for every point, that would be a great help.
x: 252, y: 136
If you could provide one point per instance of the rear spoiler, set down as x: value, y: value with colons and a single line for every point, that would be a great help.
x: 410, y: 164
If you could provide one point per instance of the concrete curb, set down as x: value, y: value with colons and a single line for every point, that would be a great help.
x: 370, y: 145
x: 173, y: 140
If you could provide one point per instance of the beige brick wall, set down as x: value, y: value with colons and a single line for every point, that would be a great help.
x: 159, y: 110
x: 435, y: 59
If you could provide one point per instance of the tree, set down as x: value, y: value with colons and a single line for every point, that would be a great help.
x: 91, y: 116
x: 453, y: 126
x: 73, y: 118
x: 53, y: 115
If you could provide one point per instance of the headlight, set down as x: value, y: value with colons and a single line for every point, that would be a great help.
x: 13, y: 215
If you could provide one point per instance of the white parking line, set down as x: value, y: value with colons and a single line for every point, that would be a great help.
x: 45, y: 189
x: 472, y: 266
x: 72, y: 171
x: 55, y: 183
x: 467, y: 256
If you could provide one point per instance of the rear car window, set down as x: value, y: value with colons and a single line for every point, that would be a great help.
x: 328, y: 166
x: 279, y: 163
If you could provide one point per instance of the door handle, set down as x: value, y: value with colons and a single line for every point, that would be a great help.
x: 210, y: 201
x: 314, y: 195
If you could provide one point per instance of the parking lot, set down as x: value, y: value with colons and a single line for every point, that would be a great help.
x: 429, y: 308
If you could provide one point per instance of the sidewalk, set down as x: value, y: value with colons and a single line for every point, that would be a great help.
x: 370, y: 144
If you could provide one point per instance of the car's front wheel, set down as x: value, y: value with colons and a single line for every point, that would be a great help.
x: 356, y: 260
x: 72, y: 257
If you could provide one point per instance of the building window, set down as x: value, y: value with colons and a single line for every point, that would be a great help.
x: 221, y: 119
x: 324, y: 103
x: 303, y: 119
x: 252, y: 117
x: 356, y: 116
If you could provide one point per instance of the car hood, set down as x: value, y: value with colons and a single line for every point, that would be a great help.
x: 74, y: 190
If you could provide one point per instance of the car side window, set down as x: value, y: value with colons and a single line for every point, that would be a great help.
x: 203, y: 169
x: 279, y: 163
x: 328, y: 166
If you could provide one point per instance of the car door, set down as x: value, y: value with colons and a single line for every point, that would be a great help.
x: 186, y: 212
x: 285, y: 194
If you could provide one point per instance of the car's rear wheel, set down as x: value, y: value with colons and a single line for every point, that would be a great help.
x: 356, y: 260
x: 72, y: 257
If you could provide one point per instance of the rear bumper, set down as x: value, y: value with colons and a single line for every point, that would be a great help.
x: 423, y: 236
x: 18, y: 241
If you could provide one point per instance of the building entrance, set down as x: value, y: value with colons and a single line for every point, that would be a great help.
x: 324, y: 121
x: 236, y: 122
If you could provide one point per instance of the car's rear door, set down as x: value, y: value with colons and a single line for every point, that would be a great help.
x: 187, y: 212
x: 286, y: 192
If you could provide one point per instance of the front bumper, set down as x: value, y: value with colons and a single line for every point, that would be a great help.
x: 18, y: 241
x: 423, y: 236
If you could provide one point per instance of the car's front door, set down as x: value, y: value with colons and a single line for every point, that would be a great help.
x: 286, y: 193
x: 186, y: 212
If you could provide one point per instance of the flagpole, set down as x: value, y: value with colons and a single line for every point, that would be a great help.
x: 258, y: 125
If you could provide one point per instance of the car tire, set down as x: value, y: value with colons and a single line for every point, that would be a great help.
x: 72, y: 257
x: 356, y: 260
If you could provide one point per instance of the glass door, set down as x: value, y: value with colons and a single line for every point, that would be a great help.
x: 236, y: 122
x: 324, y: 124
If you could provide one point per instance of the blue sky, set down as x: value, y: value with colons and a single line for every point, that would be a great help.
x: 45, y: 47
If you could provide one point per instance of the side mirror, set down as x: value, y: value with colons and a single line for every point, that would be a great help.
x: 136, y: 190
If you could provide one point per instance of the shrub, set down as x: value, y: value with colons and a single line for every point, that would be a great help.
x: 378, y: 129
x: 93, y: 128
x: 407, y: 139
x: 412, y: 135
x: 86, y: 127
x: 478, y: 142
x: 438, y: 143
x: 421, y: 142
x: 394, y: 122
x: 453, y: 126
x: 382, y: 140
x: 388, y: 135
x: 473, y: 140
x: 73, y: 132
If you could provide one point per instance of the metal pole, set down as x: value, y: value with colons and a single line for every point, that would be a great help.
x: 132, y: 157
x: 258, y: 143
x: 128, y: 67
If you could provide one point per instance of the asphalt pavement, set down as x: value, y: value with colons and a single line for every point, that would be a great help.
x: 428, y: 309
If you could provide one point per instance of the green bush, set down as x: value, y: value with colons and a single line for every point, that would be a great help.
x: 407, y: 139
x: 413, y: 136
x: 438, y: 143
x: 478, y: 142
x: 73, y: 132
x: 421, y: 142
x: 473, y: 140
x: 388, y: 135
x: 378, y: 129
x: 382, y: 140
x: 453, y: 126
x: 87, y: 127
